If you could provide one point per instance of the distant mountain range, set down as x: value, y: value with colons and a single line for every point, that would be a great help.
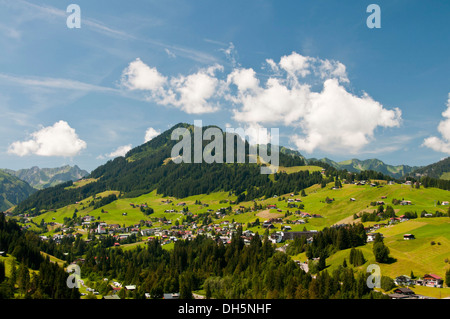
x: 41, y: 178
x: 12, y: 190
x: 356, y: 165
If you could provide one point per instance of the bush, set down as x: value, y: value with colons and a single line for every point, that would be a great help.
x: 387, y: 283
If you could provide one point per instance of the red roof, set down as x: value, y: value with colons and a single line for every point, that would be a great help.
x: 433, y: 276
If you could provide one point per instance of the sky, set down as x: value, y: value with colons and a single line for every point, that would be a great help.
x: 332, y: 85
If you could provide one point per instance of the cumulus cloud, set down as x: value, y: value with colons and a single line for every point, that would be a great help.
x: 57, y: 140
x: 328, y: 117
x: 120, y: 151
x: 332, y: 119
x: 441, y: 144
x: 139, y: 76
x: 150, y: 134
x: 193, y: 93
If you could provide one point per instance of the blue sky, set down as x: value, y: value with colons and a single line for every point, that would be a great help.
x: 334, y: 87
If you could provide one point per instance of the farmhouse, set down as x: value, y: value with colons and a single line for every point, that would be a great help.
x: 371, y: 236
x: 403, y: 281
x: 405, y: 202
x: 432, y: 280
x: 408, y: 236
x: 445, y: 203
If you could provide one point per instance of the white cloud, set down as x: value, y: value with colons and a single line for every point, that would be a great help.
x: 120, y: 151
x: 150, y: 134
x: 333, y: 119
x: 296, y: 64
x: 139, y: 76
x: 57, y: 140
x: 170, y: 53
x: 194, y: 93
x: 441, y: 144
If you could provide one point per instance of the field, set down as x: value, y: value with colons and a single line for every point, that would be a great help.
x: 419, y: 256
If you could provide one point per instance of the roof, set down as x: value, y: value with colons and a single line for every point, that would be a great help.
x: 433, y: 276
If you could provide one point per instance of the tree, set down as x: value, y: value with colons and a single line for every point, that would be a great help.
x: 387, y: 283
x: 381, y: 252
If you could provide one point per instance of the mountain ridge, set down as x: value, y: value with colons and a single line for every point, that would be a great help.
x: 41, y: 178
x: 12, y: 190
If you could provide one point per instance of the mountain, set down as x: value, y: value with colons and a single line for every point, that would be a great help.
x: 356, y: 165
x: 440, y: 170
x: 40, y: 178
x: 149, y: 166
x: 12, y: 190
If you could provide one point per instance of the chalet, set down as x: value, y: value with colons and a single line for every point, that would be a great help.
x: 383, y: 197
x: 276, y: 237
x: 267, y: 224
x: 403, y: 281
x: 408, y: 236
x: 271, y: 206
x: 181, y: 204
x: 432, y: 280
x: 445, y: 203
x: 405, y: 202
x: 352, y: 199
x: 297, y: 200
x: 88, y: 218
x: 371, y: 236
x: 403, y: 218
x: 404, y: 291
x: 286, y: 227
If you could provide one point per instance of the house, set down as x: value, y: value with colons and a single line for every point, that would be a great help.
x: 408, y: 236
x: 271, y: 206
x: 276, y: 237
x: 352, y: 199
x: 286, y: 227
x: 405, y: 202
x: 432, y: 280
x: 403, y: 281
x: 445, y: 203
x: 404, y: 291
x: 181, y: 204
x: 130, y: 287
x: 171, y: 296
x: 371, y: 236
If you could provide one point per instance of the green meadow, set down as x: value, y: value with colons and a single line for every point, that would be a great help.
x: 419, y: 255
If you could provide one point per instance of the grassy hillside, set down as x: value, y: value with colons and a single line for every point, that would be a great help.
x: 12, y: 190
x: 418, y: 255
